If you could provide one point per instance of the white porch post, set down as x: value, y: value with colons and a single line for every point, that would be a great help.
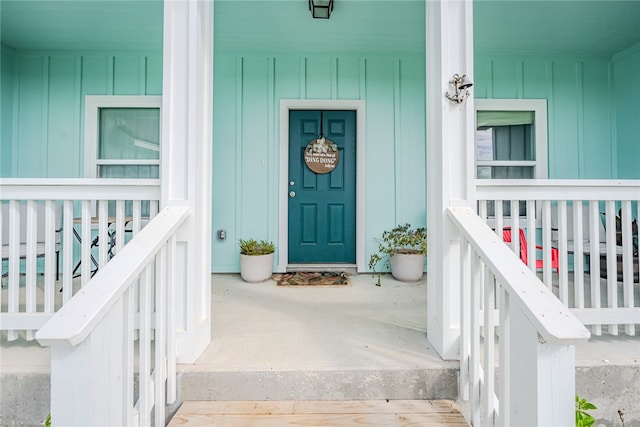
x: 187, y: 105
x: 449, y: 163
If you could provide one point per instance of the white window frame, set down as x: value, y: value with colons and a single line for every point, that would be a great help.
x: 539, y: 109
x: 92, y: 106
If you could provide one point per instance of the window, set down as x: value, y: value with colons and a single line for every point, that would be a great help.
x: 510, y: 142
x: 511, y: 138
x: 122, y: 136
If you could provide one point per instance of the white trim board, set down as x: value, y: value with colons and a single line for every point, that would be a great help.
x: 319, y: 104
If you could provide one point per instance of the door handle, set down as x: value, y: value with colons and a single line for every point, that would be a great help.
x: 292, y: 194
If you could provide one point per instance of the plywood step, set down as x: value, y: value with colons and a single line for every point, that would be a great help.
x: 379, y: 413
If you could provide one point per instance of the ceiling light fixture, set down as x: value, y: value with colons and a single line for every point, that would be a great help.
x: 321, y: 8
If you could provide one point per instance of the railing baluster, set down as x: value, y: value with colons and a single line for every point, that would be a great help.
x: 129, y: 363
x: 86, y: 242
x: 531, y: 234
x: 49, y: 256
x: 547, y: 277
x: 465, y: 312
x: 13, y: 300
x: 482, y: 210
x: 594, y: 268
x: 563, y: 277
x: 171, y: 322
x: 144, y: 345
x: 612, y: 261
x: 578, y: 255
x: 627, y: 260
x: 505, y: 358
x: 499, y: 216
x: 153, y: 208
x: 515, y: 227
x: 119, y: 227
x: 160, y: 335
x: 488, y: 389
x: 477, y: 275
x: 136, y: 221
x: 67, y: 251
x: 31, y: 222
x: 104, y: 232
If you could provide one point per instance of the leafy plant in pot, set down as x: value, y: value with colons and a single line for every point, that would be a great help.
x: 256, y: 260
x: 402, y: 249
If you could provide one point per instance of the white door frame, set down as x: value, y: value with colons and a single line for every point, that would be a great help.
x: 320, y: 104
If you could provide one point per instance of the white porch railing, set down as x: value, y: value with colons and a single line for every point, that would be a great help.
x: 591, y: 226
x: 75, y: 226
x: 93, y: 337
x: 536, y: 335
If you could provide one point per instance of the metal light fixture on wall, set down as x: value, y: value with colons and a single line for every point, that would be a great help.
x: 321, y: 8
x: 461, y: 85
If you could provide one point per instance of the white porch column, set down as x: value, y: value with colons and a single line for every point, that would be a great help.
x: 449, y: 163
x: 187, y: 110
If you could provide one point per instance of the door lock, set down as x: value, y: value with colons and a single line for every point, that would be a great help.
x: 292, y: 194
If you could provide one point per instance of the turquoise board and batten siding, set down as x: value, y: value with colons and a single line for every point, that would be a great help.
x: 627, y: 72
x: 580, y: 106
x: 6, y: 109
x: 45, y: 104
x: 246, y: 149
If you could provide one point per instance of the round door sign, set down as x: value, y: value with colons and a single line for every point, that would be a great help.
x: 321, y: 155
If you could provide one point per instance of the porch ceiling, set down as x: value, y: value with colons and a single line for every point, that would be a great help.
x: 600, y: 27
x: 596, y: 27
x: 82, y: 24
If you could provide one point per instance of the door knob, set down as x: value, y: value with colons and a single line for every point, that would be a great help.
x: 292, y: 194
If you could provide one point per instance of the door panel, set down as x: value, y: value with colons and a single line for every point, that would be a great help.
x: 322, y: 212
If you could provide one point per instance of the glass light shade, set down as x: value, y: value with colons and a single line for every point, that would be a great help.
x: 321, y: 8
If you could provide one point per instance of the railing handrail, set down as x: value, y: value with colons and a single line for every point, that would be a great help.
x: 79, y: 188
x: 75, y: 321
x: 558, y: 189
x: 554, y: 322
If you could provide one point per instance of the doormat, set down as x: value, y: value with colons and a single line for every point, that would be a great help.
x: 302, y: 278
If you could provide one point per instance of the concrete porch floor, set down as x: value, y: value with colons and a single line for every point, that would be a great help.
x: 353, y: 342
x: 261, y: 326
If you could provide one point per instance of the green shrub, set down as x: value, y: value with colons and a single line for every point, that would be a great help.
x: 254, y: 247
x: 583, y: 418
x: 400, y: 240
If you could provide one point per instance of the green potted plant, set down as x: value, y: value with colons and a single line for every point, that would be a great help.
x: 256, y: 260
x: 402, y: 249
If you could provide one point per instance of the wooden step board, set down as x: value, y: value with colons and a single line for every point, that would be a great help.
x: 379, y: 413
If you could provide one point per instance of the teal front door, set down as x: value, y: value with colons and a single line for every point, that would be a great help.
x: 322, y: 205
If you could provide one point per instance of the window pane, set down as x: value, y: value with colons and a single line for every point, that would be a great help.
x: 484, y: 172
x: 484, y: 144
x: 512, y: 172
x: 505, y: 143
x: 129, y: 133
x: 129, y: 171
x: 512, y: 143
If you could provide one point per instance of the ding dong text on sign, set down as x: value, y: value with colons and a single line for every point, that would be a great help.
x: 321, y: 155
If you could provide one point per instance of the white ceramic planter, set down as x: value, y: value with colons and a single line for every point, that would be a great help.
x: 407, y: 267
x: 256, y: 268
